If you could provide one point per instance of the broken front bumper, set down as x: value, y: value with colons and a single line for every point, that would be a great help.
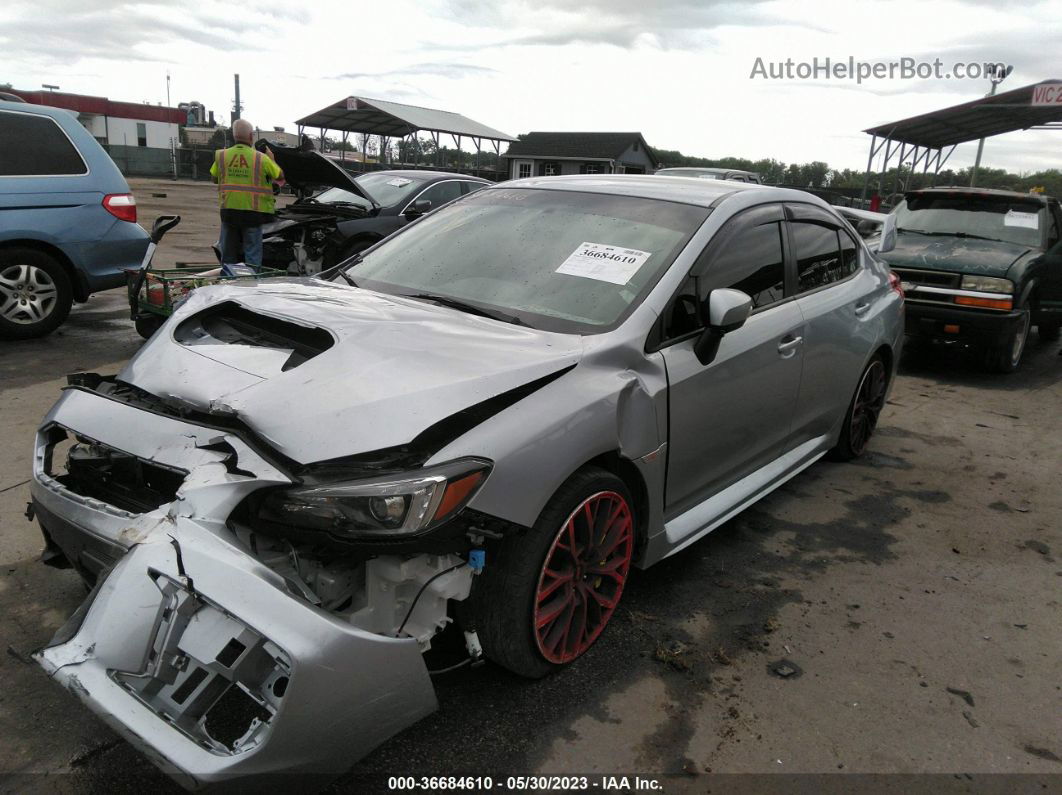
x: 192, y: 649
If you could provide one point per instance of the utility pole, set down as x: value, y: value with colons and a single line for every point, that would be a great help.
x: 237, y: 107
x: 167, y: 89
x: 997, y: 77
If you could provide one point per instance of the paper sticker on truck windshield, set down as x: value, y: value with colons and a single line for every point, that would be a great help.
x: 604, y: 263
x: 1026, y: 220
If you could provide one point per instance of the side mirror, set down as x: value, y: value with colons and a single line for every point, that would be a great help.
x: 722, y: 311
x: 417, y: 208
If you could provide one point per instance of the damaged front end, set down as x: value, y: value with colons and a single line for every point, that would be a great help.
x: 246, y: 617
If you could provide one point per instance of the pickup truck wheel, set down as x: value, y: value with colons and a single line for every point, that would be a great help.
x: 547, y: 595
x: 1048, y: 332
x: 862, y: 416
x: 1005, y: 355
x: 35, y: 293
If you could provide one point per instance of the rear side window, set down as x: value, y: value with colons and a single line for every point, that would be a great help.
x: 823, y: 255
x: 32, y: 145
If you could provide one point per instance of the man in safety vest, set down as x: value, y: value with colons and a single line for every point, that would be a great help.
x: 245, y: 180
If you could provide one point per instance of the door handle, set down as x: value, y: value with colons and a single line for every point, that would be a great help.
x: 861, y: 309
x: 787, y: 345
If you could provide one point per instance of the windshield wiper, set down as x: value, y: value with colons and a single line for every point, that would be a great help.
x: 472, y: 309
x: 341, y: 270
x: 950, y: 234
x: 977, y: 237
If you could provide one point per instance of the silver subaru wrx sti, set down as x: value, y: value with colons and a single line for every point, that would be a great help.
x: 486, y: 420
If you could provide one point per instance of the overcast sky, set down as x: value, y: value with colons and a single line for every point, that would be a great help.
x: 676, y: 70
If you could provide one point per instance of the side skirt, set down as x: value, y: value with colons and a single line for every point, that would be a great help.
x: 702, y: 519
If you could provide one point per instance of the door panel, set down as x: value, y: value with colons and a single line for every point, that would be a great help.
x: 731, y: 417
x: 836, y: 298
x: 840, y: 330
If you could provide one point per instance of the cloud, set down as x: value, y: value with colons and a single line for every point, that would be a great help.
x: 622, y: 23
x: 448, y: 70
x: 54, y: 32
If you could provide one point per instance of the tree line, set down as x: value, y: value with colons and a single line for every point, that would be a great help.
x: 818, y: 174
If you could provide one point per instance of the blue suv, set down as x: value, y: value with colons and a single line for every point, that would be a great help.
x: 67, y: 219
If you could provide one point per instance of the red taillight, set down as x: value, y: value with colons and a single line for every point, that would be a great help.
x: 121, y: 205
x: 895, y: 283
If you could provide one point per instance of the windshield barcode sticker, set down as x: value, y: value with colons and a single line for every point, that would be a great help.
x: 604, y: 262
x: 1025, y: 220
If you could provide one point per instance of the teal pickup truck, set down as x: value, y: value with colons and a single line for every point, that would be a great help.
x: 982, y: 266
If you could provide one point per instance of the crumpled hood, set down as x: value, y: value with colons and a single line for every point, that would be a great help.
x: 955, y: 254
x: 397, y: 366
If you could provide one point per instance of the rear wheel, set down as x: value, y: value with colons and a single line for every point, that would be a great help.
x: 1005, y: 355
x: 35, y: 293
x: 548, y: 594
x: 863, y: 412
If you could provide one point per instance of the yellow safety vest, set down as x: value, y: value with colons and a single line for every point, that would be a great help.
x: 244, y: 179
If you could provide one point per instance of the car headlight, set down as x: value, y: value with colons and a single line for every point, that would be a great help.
x: 383, y: 507
x: 987, y: 284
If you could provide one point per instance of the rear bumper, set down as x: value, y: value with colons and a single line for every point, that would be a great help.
x: 103, y: 262
x: 977, y: 325
x: 191, y: 648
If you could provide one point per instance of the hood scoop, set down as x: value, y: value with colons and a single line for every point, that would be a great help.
x: 255, y: 343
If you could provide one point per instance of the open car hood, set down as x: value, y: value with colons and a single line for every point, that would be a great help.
x: 321, y: 371
x: 310, y: 170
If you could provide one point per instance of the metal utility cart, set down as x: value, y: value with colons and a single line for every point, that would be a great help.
x: 154, y: 292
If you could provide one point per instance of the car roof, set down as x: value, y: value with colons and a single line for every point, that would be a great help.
x: 968, y: 191
x: 44, y: 110
x: 706, y: 170
x: 688, y: 190
x: 417, y: 173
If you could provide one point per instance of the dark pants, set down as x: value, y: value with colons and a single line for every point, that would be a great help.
x: 241, y: 244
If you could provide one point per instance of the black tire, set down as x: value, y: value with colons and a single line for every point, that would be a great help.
x: 510, y: 594
x: 863, y: 411
x: 1005, y: 356
x: 25, y: 276
x: 1048, y: 332
x: 147, y: 325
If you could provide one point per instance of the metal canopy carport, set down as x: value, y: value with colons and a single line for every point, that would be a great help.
x: 395, y: 120
x: 924, y: 138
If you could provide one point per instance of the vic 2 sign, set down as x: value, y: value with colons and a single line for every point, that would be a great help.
x: 1047, y: 94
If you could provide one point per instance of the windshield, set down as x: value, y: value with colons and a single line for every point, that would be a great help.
x: 1012, y: 220
x: 556, y: 260
x: 387, y: 188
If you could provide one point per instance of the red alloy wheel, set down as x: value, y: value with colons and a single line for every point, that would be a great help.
x: 583, y: 575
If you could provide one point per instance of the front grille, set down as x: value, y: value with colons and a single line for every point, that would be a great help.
x: 119, y: 479
x: 930, y: 278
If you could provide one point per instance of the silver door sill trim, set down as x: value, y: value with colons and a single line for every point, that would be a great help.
x: 701, y: 519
